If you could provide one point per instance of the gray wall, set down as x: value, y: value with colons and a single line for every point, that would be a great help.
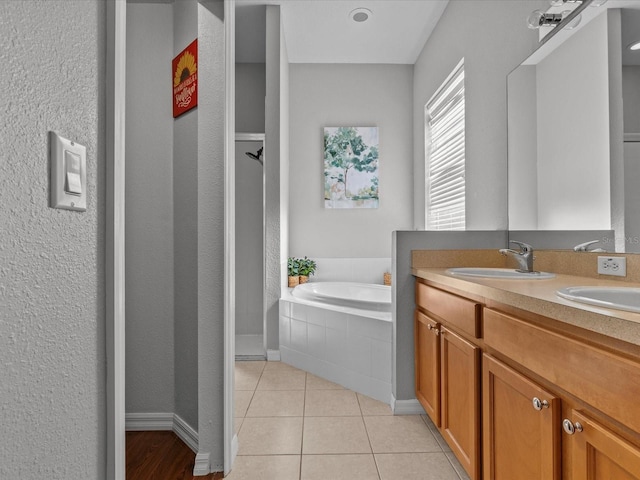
x: 491, y: 49
x: 250, y: 93
x: 149, y: 210
x: 250, y: 118
x: 185, y: 236
x: 52, y: 302
x: 349, y: 95
x: 276, y: 76
x: 211, y: 230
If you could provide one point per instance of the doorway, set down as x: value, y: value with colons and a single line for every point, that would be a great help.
x: 249, y: 200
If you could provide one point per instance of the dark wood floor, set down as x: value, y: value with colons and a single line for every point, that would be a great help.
x: 160, y: 456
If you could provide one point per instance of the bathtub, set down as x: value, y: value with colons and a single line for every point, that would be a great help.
x: 340, y: 331
x: 363, y: 296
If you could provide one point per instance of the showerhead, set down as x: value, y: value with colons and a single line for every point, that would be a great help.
x: 256, y: 156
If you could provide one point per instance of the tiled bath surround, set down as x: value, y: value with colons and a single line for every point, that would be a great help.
x: 350, y: 347
x: 361, y: 270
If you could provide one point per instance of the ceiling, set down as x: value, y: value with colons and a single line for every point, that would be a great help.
x: 322, y: 31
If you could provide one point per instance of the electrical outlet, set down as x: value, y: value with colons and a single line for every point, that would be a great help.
x: 612, y: 266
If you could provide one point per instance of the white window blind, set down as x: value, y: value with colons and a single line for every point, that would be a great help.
x: 444, y: 155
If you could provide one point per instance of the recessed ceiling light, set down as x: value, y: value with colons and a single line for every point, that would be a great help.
x: 360, y: 15
x: 634, y: 46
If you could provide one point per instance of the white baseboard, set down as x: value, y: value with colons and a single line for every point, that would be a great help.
x: 187, y: 434
x: 273, y: 355
x: 136, y: 422
x: 406, y: 407
x: 202, y: 465
x: 163, y: 421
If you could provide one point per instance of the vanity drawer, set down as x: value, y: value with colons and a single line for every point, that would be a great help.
x: 608, y: 382
x: 456, y: 311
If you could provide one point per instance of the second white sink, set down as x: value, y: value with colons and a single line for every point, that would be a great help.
x: 619, y: 298
x: 499, y: 273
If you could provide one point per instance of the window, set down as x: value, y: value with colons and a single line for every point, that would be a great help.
x: 444, y: 155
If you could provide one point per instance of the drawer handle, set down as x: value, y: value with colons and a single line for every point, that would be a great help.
x: 433, y: 329
x: 570, y: 427
x: 539, y: 404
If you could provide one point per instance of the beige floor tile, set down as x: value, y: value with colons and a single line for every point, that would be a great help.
x: 339, y: 467
x: 237, y: 423
x: 241, y: 402
x: 270, y: 436
x: 331, y: 403
x: 413, y: 466
x: 318, y: 383
x: 370, y: 406
x: 282, y: 379
x: 334, y: 435
x: 279, y: 367
x: 270, y: 467
x: 247, y: 375
x: 400, y: 434
x: 436, y: 433
x: 277, y: 403
x: 456, y: 465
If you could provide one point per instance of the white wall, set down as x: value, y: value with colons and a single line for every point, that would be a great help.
x: 493, y: 38
x: 52, y: 290
x: 573, y: 133
x: 523, y: 149
x: 149, y: 210
x: 349, y: 95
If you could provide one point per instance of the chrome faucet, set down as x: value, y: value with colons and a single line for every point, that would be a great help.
x: 524, y: 256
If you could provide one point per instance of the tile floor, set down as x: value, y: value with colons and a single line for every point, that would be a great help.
x: 294, y: 425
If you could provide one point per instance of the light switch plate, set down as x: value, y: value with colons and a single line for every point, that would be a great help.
x: 68, y: 173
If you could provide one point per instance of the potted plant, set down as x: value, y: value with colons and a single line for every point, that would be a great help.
x: 293, y: 271
x: 306, y: 267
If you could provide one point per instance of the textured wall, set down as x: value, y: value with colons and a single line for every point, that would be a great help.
x: 149, y: 210
x: 211, y: 230
x: 357, y: 96
x: 250, y: 93
x: 490, y: 53
x: 185, y: 241
x: 52, y: 331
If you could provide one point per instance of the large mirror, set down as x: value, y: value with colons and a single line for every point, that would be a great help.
x: 574, y: 130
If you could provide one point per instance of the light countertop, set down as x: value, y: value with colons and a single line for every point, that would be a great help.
x: 539, y: 297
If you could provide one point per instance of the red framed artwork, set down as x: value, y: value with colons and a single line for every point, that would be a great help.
x: 185, y: 79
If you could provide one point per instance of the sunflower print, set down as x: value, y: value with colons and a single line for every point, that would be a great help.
x: 186, y: 67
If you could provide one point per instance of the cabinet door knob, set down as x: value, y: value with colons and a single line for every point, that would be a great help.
x: 570, y: 427
x: 539, y: 404
x: 434, y: 329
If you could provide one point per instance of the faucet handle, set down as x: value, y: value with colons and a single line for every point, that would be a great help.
x: 524, y: 247
x: 584, y: 247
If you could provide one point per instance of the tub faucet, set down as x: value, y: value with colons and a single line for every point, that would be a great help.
x: 524, y: 256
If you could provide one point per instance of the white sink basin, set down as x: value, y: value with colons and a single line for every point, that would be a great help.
x: 499, y: 273
x: 619, y: 298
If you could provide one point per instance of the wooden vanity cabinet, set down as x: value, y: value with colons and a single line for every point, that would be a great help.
x: 550, y: 405
x: 520, y: 421
x: 447, y: 370
x: 427, y: 365
x: 460, y: 392
x: 596, y: 452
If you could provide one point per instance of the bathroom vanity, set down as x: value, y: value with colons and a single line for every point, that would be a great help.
x: 524, y: 384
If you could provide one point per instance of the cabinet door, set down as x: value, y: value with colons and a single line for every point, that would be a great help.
x: 427, y: 359
x: 520, y: 421
x: 598, y: 453
x: 461, y: 399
